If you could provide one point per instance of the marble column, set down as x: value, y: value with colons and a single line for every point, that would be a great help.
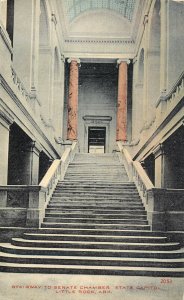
x: 73, y: 99
x: 5, y: 122
x: 121, y: 120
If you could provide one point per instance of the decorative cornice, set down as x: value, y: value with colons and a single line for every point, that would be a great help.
x: 101, y: 118
x: 100, y: 41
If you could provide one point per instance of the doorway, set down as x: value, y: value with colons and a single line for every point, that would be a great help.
x: 96, y: 139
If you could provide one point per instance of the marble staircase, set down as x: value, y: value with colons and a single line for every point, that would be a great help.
x: 95, y: 223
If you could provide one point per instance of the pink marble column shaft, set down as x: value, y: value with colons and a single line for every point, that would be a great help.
x: 121, y: 127
x: 73, y: 101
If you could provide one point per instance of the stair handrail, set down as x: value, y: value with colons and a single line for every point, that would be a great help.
x: 51, y: 172
x: 136, y: 173
x: 58, y: 168
x: 38, y: 199
x: 140, y: 172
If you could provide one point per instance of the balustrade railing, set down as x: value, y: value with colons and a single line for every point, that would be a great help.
x: 36, y: 197
x: 163, y: 205
x: 168, y: 101
x: 136, y: 173
x: 20, y: 86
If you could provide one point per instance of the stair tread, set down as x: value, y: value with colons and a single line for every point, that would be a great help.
x: 93, y: 223
x: 11, y: 246
x: 171, y: 270
x: 98, y: 236
x: 95, y: 242
x: 92, y: 258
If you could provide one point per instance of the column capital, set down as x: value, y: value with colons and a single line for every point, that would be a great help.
x: 158, y: 150
x: 69, y: 60
x: 35, y: 147
x: 120, y: 60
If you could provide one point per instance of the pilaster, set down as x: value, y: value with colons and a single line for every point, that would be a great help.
x: 159, y: 155
x: 163, y: 45
x: 31, y: 167
x: 26, y: 42
x: 5, y: 121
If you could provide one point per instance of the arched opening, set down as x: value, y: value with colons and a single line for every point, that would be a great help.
x: 153, y: 73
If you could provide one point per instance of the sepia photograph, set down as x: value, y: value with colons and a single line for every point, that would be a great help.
x: 92, y: 149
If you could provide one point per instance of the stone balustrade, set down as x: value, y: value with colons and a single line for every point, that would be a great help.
x: 25, y: 205
x: 167, y: 102
x: 164, y: 206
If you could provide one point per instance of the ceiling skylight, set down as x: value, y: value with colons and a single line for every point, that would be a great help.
x: 77, y: 7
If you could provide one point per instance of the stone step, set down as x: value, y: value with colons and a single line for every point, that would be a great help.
x: 94, y: 238
x: 90, y: 215
x: 95, y: 181
x: 97, y: 184
x: 92, y: 195
x: 95, y: 226
x: 120, y: 211
x: 91, y: 261
x: 91, y: 270
x: 94, y: 220
x: 92, y: 200
x: 93, y: 177
x: 95, y: 223
x: 95, y: 245
x: 102, y: 192
x: 154, y: 254
x: 94, y: 188
x: 91, y: 185
x: 102, y: 232
x: 87, y: 206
